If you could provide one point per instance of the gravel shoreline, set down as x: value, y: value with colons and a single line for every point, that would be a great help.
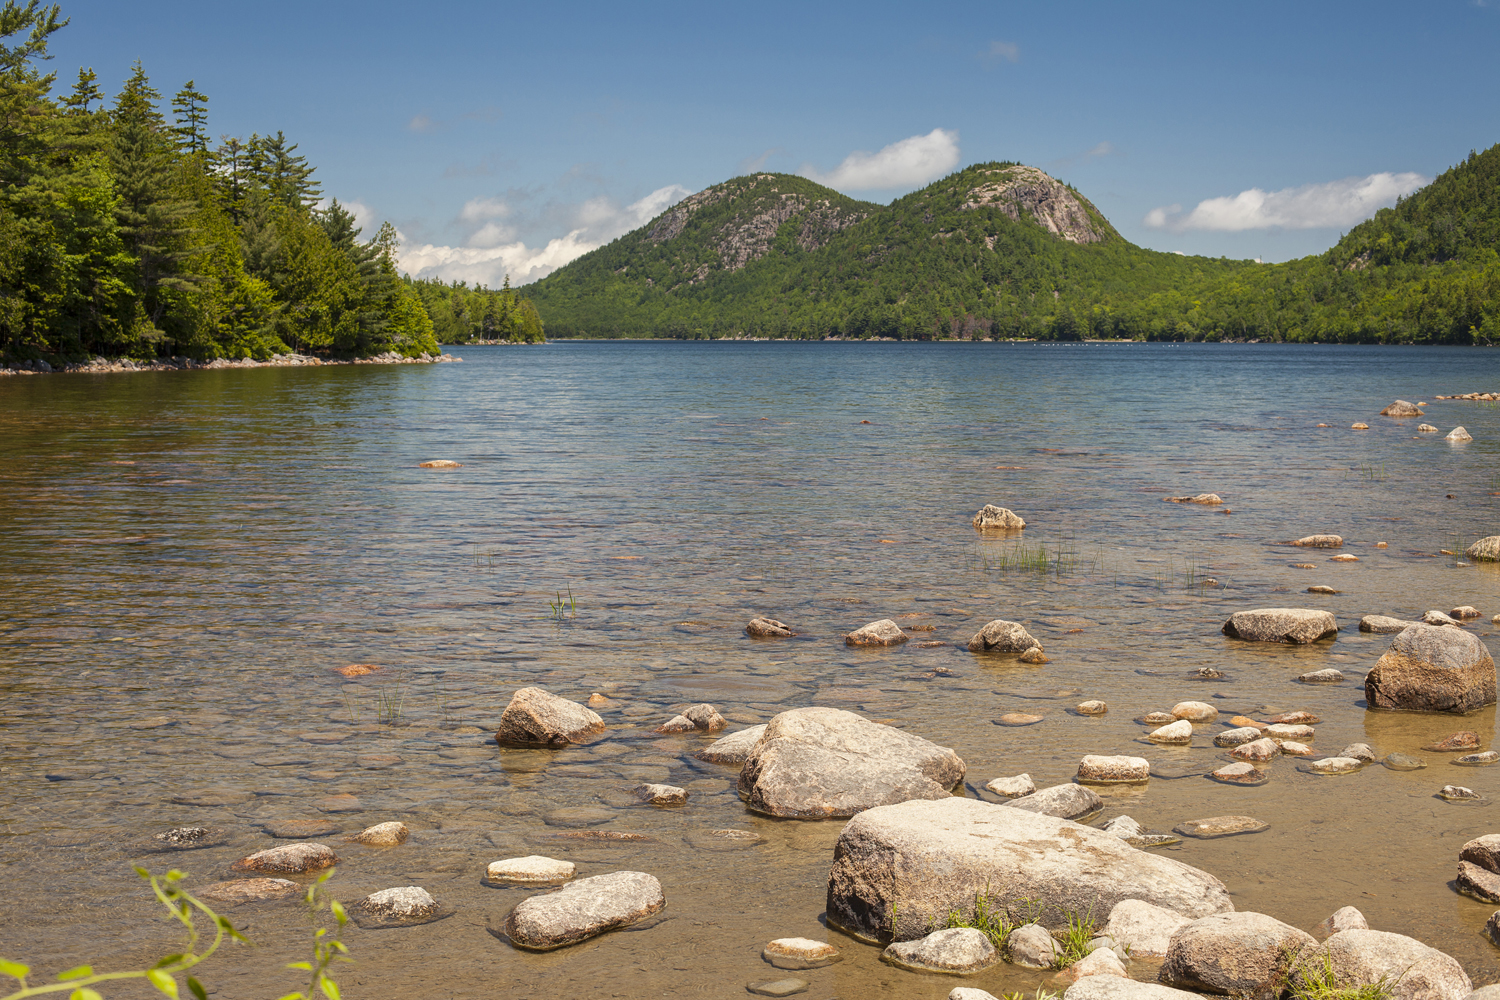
x: 102, y: 365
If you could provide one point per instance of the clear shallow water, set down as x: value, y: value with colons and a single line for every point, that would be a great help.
x: 194, y: 552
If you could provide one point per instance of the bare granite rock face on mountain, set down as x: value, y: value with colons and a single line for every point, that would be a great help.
x: 1433, y: 668
x: 822, y: 763
x: 931, y: 858
x: 1411, y: 969
x: 583, y: 909
x: 992, y: 518
x: 1050, y: 203
x: 1290, y: 625
x: 537, y: 718
x: 1241, y: 954
x: 1401, y: 408
x: 1001, y: 636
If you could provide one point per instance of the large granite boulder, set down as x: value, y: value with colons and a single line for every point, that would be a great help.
x: 1433, y: 668
x: 923, y: 860
x: 1291, y: 625
x: 1485, y: 550
x: 992, y: 518
x: 583, y: 909
x: 1401, y: 408
x: 1001, y: 636
x: 1412, y: 970
x: 1241, y: 954
x: 537, y: 718
x: 825, y: 763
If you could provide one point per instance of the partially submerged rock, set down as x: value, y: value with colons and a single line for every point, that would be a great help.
x: 1237, y: 737
x: 958, y: 951
x: 1290, y: 625
x: 1207, y: 499
x: 1180, y: 731
x: 1458, y: 793
x: 702, y: 718
x: 248, y: 890
x: 534, y: 869
x: 1034, y: 655
x: 1220, y: 826
x: 1477, y: 883
x: 1195, y: 711
x: 1263, y: 748
x: 1095, y: 769
x: 1436, y: 617
x: 1032, y: 946
x: 1242, y: 954
x: 930, y: 858
x: 1333, y: 765
x: 1013, y: 787
x: 537, y: 718
x: 1426, y: 429
x: 291, y: 859
x: 1458, y: 434
x: 1345, y: 918
x: 390, y: 834
x: 1063, y: 801
x: 1433, y: 669
x: 1142, y: 927
x: 732, y: 749
x: 1240, y: 773
x: 1464, y: 739
x: 660, y: 795
x: 1411, y: 970
x: 1403, y: 762
x: 583, y: 909
x: 1382, y: 623
x: 822, y: 763
x: 1464, y: 611
x: 878, y: 633
x: 1001, y: 636
x: 1484, y: 550
x: 1328, y: 675
x: 405, y: 906
x: 992, y: 518
x: 1319, y: 542
x: 1401, y: 408
x: 767, y: 628
x: 800, y: 953
x: 1360, y: 751
x: 1483, y: 851
x: 1092, y: 707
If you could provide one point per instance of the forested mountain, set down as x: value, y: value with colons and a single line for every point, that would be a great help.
x: 1003, y: 250
x: 126, y: 232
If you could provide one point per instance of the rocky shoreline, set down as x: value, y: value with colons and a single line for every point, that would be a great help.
x: 99, y: 366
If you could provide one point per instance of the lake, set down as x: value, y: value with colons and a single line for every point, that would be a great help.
x: 190, y: 555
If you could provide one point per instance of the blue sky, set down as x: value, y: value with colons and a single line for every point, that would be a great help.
x: 506, y: 138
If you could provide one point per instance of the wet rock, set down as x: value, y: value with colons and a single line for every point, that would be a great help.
x: 1426, y: 429
x: 1458, y: 793
x: 1436, y: 617
x: 248, y: 890
x: 1240, y: 773
x: 537, y: 718
x: 1237, y: 737
x: 1092, y: 708
x: 1034, y: 655
x: 1485, y: 550
x: 1157, y: 719
x: 1142, y: 927
x: 1412, y: 970
x: 991, y: 517
x: 660, y: 795
x: 1433, y: 669
x: 1294, y: 719
x: 583, y: 909
x: 1290, y: 625
x: 187, y: 838
x: 932, y: 857
x: 597, y: 700
x: 1483, y: 851
x: 959, y: 951
x: 291, y: 859
x: 1359, y: 427
x: 214, y: 797
x: 1465, y: 739
x: 778, y: 987
x: 1207, y: 499
x: 1063, y: 801
x: 1032, y: 946
x: 1242, y: 954
x: 1101, y: 961
x: 1001, y: 636
x: 1401, y: 408
x: 732, y: 749
x: 357, y: 669
x: 1464, y: 611
x: 1360, y: 751
x: 1403, y: 762
x: 971, y: 993
x: 1113, y: 988
x: 405, y: 906
x: 1291, y: 748
x: 1321, y: 590
x: 532, y: 869
x: 1206, y: 674
x: 800, y: 953
x: 1333, y: 765
x: 1283, y: 731
x: 1345, y: 918
x: 1458, y: 434
x: 1381, y: 623
x: 880, y: 633
x: 1099, y: 770
x: 1480, y: 883
x: 677, y: 724
x: 1328, y: 675
x: 1017, y: 719
x: 1320, y: 542
x: 1220, y: 826
x: 1195, y: 711
x: 702, y: 718
x: 1180, y: 731
x: 576, y: 816
x: 440, y: 463
x: 820, y: 763
x: 1241, y: 720
x: 343, y: 802
x: 1344, y: 558
x: 1263, y: 748
x: 1012, y: 788
x: 300, y: 829
x: 767, y: 628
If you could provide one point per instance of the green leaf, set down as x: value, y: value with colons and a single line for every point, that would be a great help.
x: 196, y: 989
x: 163, y: 982
x: 304, y: 966
x: 338, y: 911
x: 143, y: 873
x: 14, y: 969
x: 168, y: 960
x: 78, y: 972
x: 293, y: 996
x: 329, y: 987
x: 84, y: 993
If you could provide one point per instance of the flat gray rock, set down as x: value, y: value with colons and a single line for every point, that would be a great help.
x: 800, y: 953
x: 1432, y: 668
x: 1413, y: 970
x: 1001, y: 636
x: 778, y: 987
x: 1096, y: 769
x: 1242, y: 954
x: 1328, y: 675
x: 933, y: 857
x: 822, y: 763
x: 293, y: 859
x: 1062, y: 801
x: 1115, y: 988
x: 1220, y: 826
x: 248, y: 890
x: 583, y: 909
x: 958, y: 951
x: 1380, y: 624
x: 537, y: 718
x: 1297, y: 626
x: 731, y: 749
x: 1013, y: 787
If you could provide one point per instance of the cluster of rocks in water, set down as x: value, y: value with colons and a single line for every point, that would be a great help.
x: 100, y: 365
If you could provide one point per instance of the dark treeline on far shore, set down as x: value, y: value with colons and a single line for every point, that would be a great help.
x: 124, y: 231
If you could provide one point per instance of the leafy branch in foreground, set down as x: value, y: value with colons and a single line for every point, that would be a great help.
x: 163, y: 975
x: 327, y: 948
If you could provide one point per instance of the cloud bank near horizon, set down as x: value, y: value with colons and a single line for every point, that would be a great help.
x: 496, y: 248
x: 908, y: 163
x: 1334, y: 205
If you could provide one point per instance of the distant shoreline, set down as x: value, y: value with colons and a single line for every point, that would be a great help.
x: 103, y: 366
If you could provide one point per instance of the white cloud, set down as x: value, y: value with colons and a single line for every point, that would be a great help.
x: 424, y: 124
x: 493, y: 251
x: 1009, y: 51
x: 907, y: 163
x: 364, y: 217
x: 1335, y: 205
x: 1103, y: 149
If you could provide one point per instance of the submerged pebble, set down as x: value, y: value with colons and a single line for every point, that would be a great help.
x: 1332, y: 765
x: 1403, y: 762
x: 1220, y: 826
x: 1328, y: 675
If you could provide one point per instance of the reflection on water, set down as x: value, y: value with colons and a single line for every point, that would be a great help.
x: 189, y: 555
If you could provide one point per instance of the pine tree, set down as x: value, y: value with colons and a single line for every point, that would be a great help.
x: 85, y: 92
x: 190, y: 108
x: 288, y: 178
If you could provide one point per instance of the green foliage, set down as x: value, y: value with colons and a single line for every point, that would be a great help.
x: 995, y: 923
x: 1315, y: 980
x: 461, y: 314
x: 936, y: 264
x: 328, y: 948
x: 1075, y: 938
